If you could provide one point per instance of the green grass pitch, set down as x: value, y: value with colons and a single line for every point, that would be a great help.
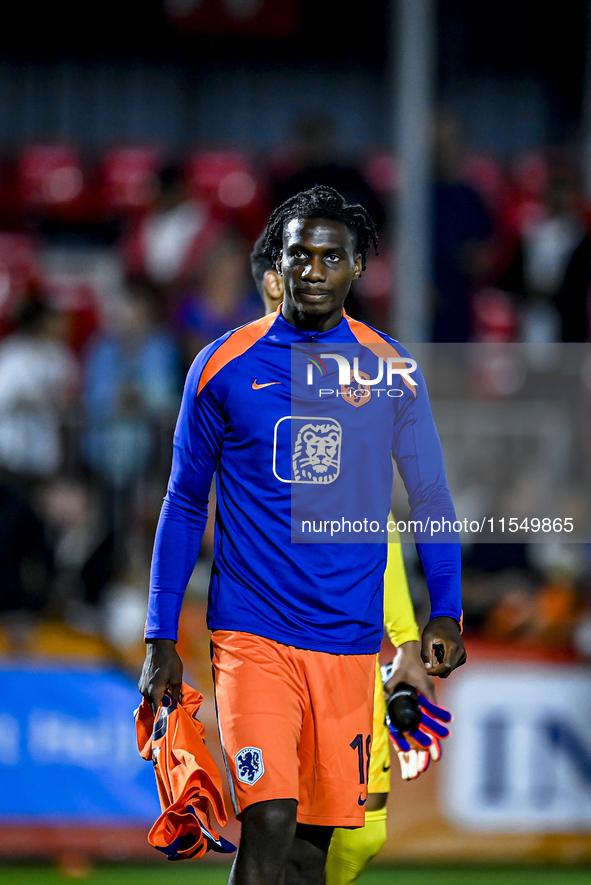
x: 196, y: 874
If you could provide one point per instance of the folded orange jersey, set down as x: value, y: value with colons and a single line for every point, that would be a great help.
x: 189, y: 783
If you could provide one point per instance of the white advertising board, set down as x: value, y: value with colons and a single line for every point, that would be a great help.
x: 519, y: 759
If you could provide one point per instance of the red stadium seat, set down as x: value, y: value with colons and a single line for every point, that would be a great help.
x: 50, y: 177
x: 130, y: 177
x: 380, y: 170
x: 487, y: 177
x: 222, y: 178
x: 229, y: 183
x: 17, y: 251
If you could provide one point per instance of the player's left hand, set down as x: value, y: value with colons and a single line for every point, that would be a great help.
x: 414, y: 762
x: 442, y: 648
x: 408, y: 667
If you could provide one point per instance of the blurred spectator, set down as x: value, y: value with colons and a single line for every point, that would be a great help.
x: 527, y: 593
x: 314, y: 159
x: 19, y: 277
x: 551, y: 272
x: 38, y: 379
x: 546, y: 616
x: 224, y: 297
x: 132, y: 379
x: 83, y: 547
x: 167, y: 241
x: 25, y: 565
x: 572, y: 299
x: 462, y: 228
x: 85, y: 573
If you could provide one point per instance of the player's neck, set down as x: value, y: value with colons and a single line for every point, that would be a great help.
x: 297, y: 317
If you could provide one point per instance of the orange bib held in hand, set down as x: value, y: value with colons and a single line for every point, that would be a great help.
x: 189, y: 783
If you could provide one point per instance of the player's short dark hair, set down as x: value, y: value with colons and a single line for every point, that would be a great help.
x: 321, y: 201
x: 260, y: 263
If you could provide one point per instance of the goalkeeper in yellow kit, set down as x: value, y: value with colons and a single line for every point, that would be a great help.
x: 351, y: 850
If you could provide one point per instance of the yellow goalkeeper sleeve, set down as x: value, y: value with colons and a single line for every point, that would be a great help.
x: 351, y: 850
x: 399, y: 615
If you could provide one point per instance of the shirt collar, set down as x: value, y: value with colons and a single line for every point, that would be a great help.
x: 283, y: 331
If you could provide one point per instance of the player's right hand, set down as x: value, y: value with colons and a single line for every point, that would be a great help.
x: 442, y: 646
x: 163, y: 669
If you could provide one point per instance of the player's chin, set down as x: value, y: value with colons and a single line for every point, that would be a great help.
x: 315, y: 308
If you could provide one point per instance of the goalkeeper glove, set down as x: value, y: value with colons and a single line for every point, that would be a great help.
x: 417, y: 748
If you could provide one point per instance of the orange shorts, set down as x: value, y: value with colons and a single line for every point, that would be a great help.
x: 295, y: 724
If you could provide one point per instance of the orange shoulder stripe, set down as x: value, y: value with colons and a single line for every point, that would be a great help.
x: 374, y: 342
x: 234, y: 346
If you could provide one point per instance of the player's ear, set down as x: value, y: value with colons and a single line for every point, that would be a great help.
x: 357, y: 267
x: 273, y: 283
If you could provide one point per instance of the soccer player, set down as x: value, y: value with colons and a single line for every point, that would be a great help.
x: 267, y: 278
x: 351, y: 850
x: 295, y: 627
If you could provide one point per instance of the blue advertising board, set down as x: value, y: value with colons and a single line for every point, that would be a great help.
x: 68, y: 748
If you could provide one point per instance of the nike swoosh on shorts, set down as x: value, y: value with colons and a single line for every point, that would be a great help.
x: 361, y: 801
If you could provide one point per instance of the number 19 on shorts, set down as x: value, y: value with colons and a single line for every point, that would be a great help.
x: 362, y: 743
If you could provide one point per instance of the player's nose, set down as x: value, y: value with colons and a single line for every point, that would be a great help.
x: 314, y: 271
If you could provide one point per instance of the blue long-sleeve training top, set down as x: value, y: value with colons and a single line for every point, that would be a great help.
x: 301, y: 459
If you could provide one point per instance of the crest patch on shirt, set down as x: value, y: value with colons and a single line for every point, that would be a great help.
x: 249, y: 765
x: 356, y: 393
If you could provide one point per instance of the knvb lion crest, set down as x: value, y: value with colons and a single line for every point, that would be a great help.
x: 249, y: 765
x: 317, y: 452
x: 355, y: 392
